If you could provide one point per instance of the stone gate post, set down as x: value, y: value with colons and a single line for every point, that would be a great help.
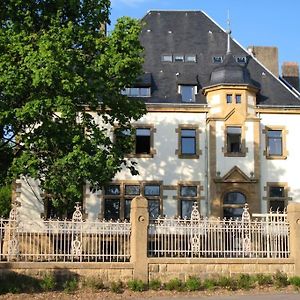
x: 139, y: 218
x: 293, y: 214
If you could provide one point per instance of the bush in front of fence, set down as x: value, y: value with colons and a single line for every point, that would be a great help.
x: 18, y: 283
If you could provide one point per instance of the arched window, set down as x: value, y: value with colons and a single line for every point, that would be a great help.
x: 233, y: 204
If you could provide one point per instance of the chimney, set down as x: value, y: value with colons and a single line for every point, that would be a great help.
x: 268, y: 56
x: 290, y: 72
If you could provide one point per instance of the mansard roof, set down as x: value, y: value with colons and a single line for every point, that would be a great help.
x: 194, y: 33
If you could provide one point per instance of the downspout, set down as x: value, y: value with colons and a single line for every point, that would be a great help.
x: 206, y: 157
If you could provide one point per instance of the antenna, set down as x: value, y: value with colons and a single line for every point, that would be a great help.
x: 228, y: 31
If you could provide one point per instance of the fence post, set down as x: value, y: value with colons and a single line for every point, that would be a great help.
x: 139, y: 218
x: 293, y: 214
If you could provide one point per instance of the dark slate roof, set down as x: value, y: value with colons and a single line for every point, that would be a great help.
x: 193, y: 32
x: 230, y: 72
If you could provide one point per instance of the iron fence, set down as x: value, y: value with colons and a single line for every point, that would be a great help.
x: 266, y: 236
x: 73, y: 240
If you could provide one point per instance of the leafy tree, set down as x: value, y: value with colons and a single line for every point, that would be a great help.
x: 58, y: 67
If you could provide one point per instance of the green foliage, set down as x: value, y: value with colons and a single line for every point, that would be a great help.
x: 209, y: 284
x: 280, y: 279
x: 57, y: 67
x: 228, y: 283
x: 116, y: 287
x: 193, y: 284
x: 295, y: 281
x: 155, y: 284
x: 70, y: 286
x: 263, y: 279
x: 5, y: 200
x: 48, y: 282
x: 93, y: 283
x: 245, y: 281
x: 136, y: 285
x: 175, y: 284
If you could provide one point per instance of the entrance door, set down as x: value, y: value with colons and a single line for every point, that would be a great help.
x: 233, y: 204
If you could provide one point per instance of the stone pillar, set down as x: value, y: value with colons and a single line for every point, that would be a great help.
x: 293, y: 214
x: 139, y: 218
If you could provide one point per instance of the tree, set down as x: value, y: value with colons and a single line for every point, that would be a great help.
x: 57, y: 67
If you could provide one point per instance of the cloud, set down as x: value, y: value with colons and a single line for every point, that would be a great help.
x: 132, y: 3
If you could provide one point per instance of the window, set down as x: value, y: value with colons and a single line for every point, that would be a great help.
x: 187, y: 92
x: 238, y: 98
x: 241, y: 59
x: 277, y: 196
x: 188, y: 195
x: 153, y: 193
x: 190, y: 58
x: 179, y: 58
x: 217, y: 59
x: 229, y: 98
x: 139, y: 143
x: 234, y: 139
x: 142, y: 141
x: 137, y: 92
x: 117, y: 199
x: 167, y: 58
x: 233, y: 204
x: 275, y: 143
x: 188, y: 142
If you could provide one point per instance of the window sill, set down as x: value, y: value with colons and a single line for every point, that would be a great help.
x: 188, y: 156
x: 282, y: 157
x: 141, y: 155
x: 235, y: 154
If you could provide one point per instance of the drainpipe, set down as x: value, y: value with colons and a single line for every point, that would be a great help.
x: 206, y: 180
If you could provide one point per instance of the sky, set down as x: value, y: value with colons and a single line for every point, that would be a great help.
x: 254, y: 22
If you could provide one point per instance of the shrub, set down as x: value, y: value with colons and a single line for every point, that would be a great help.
x: 93, y: 283
x: 264, y: 279
x: 5, y: 201
x: 210, y: 284
x: 137, y: 285
x: 295, y: 281
x: 245, y: 282
x: 280, y: 279
x: 174, y: 284
x: 193, y: 284
x: 228, y: 283
x: 116, y: 287
x: 155, y: 284
x: 48, y: 282
x: 70, y: 286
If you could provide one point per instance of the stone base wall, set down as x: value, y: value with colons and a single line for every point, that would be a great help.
x: 107, y: 272
x: 166, y: 269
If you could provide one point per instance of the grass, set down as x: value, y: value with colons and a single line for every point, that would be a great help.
x: 175, y: 285
x: 193, y: 284
x: 155, y: 284
x: 137, y: 285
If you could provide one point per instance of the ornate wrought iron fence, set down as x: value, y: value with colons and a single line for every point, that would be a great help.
x: 64, y: 240
x: 263, y: 237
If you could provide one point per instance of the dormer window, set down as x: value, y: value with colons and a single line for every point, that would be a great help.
x: 187, y: 92
x: 190, y: 58
x: 167, y: 58
x: 179, y: 58
x: 137, y: 92
x: 217, y: 59
x: 241, y: 59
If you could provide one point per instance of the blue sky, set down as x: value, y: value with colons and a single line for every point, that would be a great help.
x: 254, y: 22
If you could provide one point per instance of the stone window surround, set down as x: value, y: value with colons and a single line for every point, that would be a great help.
x: 244, y: 149
x: 284, y: 150
x: 152, y: 150
x: 124, y: 197
x: 197, y: 199
x: 276, y: 184
x: 197, y: 137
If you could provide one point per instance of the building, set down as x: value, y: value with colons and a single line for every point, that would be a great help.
x: 221, y: 129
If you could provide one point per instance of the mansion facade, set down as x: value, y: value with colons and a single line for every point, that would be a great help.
x: 221, y: 129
